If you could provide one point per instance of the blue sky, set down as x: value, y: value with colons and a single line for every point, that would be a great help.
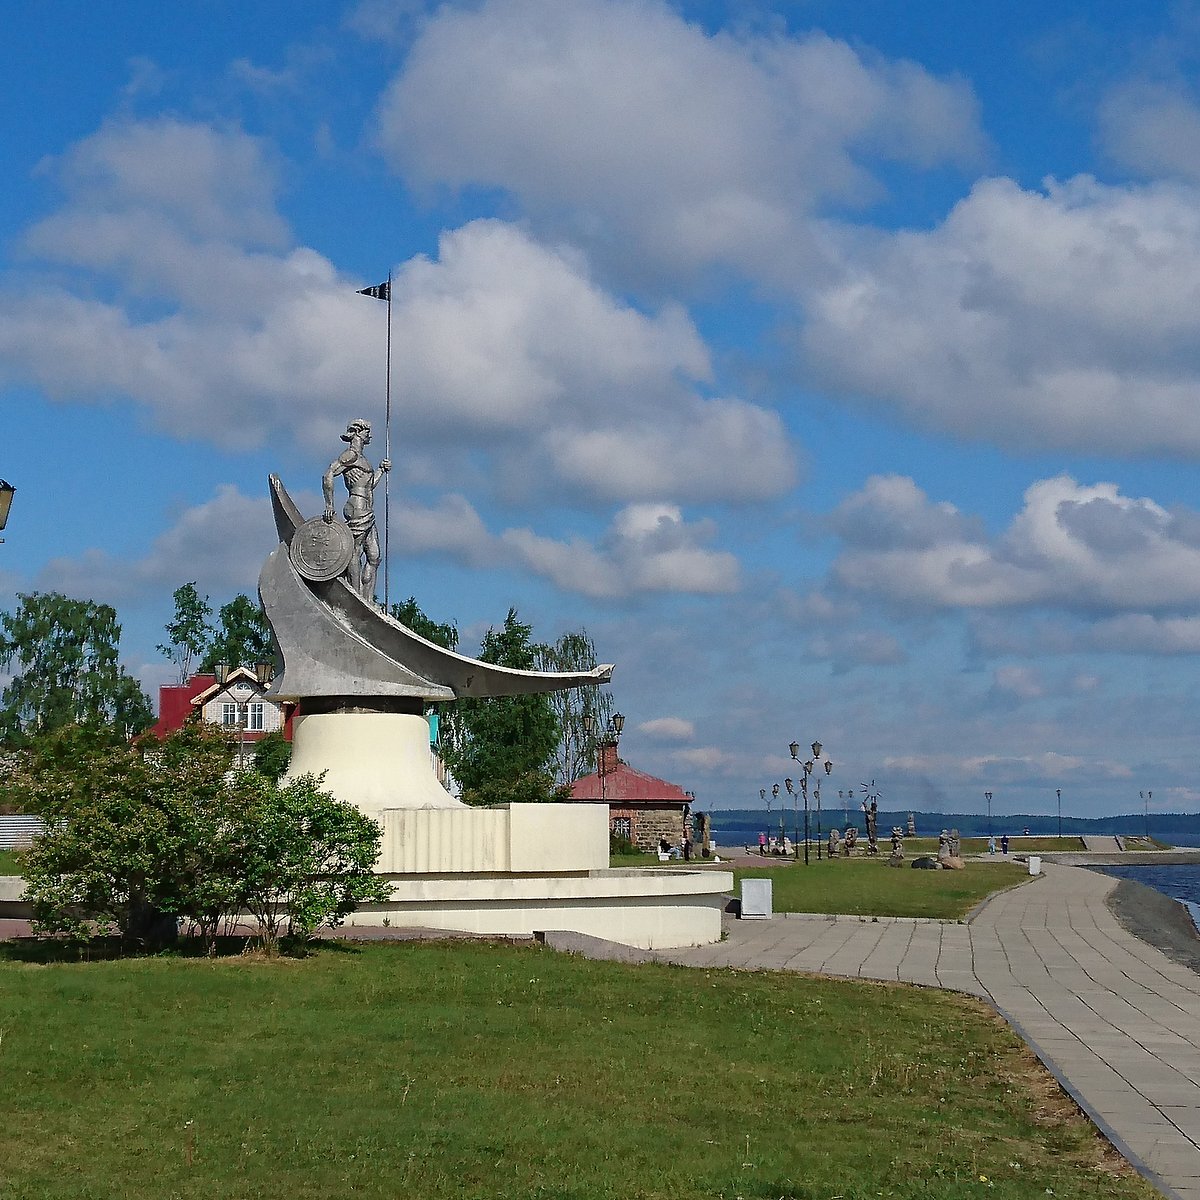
x: 835, y: 365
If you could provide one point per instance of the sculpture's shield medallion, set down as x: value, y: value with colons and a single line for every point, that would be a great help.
x: 321, y: 551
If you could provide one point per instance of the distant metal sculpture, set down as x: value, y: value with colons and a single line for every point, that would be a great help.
x: 361, y: 481
x: 335, y: 644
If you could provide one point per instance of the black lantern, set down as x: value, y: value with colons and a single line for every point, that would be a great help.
x: 6, y: 498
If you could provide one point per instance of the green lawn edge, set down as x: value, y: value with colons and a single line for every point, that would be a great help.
x: 483, y: 1070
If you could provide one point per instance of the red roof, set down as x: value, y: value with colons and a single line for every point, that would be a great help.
x: 175, y: 703
x: 624, y: 783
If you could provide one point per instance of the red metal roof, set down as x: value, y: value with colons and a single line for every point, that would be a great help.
x: 175, y: 703
x: 623, y: 782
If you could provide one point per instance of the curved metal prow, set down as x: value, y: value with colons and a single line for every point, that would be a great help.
x: 335, y: 625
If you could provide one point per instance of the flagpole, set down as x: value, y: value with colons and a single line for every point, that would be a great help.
x: 387, y: 453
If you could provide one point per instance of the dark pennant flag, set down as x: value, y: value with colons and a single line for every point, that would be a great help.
x: 381, y: 291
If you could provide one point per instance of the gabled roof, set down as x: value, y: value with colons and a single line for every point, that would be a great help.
x: 177, y: 702
x: 215, y: 688
x: 625, y: 783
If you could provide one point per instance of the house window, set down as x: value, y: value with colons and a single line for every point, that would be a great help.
x: 228, y: 714
x: 255, y: 720
x: 622, y: 827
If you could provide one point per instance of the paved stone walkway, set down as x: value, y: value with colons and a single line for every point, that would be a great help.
x: 1115, y: 1020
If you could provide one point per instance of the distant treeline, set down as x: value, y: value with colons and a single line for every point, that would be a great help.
x: 735, y: 826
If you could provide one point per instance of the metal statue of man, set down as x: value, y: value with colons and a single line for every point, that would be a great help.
x: 361, y: 482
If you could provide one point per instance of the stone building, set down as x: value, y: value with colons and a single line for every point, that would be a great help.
x: 640, y: 807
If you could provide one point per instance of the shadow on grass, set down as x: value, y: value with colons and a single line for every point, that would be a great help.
x: 49, y: 949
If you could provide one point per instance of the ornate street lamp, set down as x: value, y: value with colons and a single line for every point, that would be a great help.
x: 1058, y: 793
x: 828, y: 771
x: 988, y: 797
x: 6, y: 499
x: 795, y: 795
x: 794, y: 748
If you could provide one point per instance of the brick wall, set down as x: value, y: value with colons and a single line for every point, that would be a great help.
x: 649, y: 824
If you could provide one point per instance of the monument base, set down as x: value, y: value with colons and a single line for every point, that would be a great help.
x: 372, y: 757
x: 509, y: 871
x: 646, y: 908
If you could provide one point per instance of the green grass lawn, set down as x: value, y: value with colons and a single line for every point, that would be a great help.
x: 867, y: 887
x: 1144, y: 843
x: 8, y: 863
x: 473, y: 1070
x: 635, y: 860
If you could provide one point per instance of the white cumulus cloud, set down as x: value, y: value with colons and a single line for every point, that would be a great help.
x: 1078, y: 547
x: 1152, y: 127
x: 170, y: 278
x: 647, y: 548
x: 220, y: 543
x: 668, y: 729
x: 1063, y: 317
x: 654, y: 139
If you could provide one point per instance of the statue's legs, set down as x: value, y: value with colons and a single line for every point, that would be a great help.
x: 371, y: 566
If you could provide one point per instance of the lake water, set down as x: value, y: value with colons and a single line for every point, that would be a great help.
x: 1180, y: 881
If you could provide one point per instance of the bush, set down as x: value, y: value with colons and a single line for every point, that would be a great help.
x: 272, y: 755
x: 620, y: 844
x: 135, y: 844
x: 529, y: 787
x: 303, y: 859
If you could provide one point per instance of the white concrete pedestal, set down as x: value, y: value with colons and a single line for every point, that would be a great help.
x: 373, y: 760
x: 512, y: 870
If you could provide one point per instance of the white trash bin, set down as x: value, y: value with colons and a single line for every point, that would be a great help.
x: 756, y: 900
x: 1035, y: 865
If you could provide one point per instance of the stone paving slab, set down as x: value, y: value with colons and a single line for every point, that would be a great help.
x: 1115, y: 1020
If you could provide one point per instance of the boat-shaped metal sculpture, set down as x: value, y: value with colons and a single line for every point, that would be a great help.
x: 363, y: 681
x: 334, y: 644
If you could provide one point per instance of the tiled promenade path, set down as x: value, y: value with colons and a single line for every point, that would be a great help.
x: 1113, y: 1018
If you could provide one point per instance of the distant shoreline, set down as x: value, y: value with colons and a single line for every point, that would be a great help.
x: 1157, y: 919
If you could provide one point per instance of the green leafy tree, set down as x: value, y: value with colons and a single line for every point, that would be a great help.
x: 503, y: 746
x: 131, y: 842
x: 305, y: 860
x: 134, y: 844
x: 64, y: 655
x: 575, y: 753
x: 272, y: 754
x: 189, y: 632
x: 409, y: 613
x: 244, y: 637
